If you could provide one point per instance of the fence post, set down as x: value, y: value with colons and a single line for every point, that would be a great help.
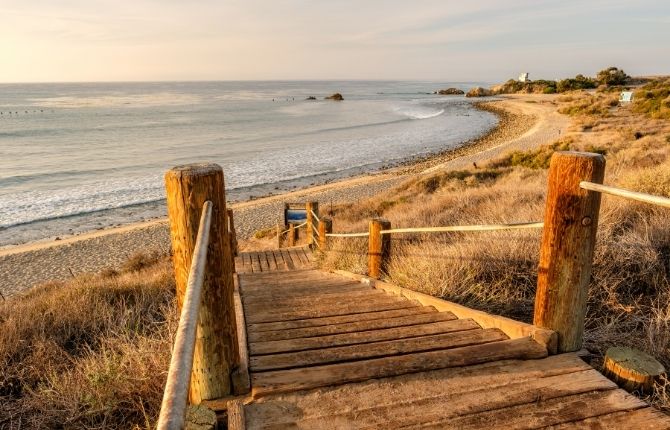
x: 216, y: 350
x: 311, y: 222
x: 279, y: 233
x: 233, y: 233
x: 379, y: 246
x: 568, y: 240
x: 325, y: 227
x: 291, y: 234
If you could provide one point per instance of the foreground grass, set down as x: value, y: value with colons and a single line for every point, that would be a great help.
x: 629, y: 297
x: 89, y: 353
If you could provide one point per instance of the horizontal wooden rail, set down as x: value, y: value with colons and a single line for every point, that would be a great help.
x: 455, y: 228
x: 366, y: 234
x: 175, y: 396
x: 632, y: 195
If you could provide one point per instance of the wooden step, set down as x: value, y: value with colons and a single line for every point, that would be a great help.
x: 545, y: 412
x: 332, y: 296
x: 301, y: 344
x: 370, y: 306
x: 296, y: 304
x: 322, y: 376
x: 351, y: 327
x: 376, y: 349
x: 338, y: 319
x: 374, y: 398
x: 413, y: 412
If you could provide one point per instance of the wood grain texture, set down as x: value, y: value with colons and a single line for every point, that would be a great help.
x: 351, y: 327
x: 321, y: 376
x: 568, y: 240
x: 379, y: 247
x: 216, y: 350
x: 325, y: 227
x: 632, y: 369
x: 327, y: 341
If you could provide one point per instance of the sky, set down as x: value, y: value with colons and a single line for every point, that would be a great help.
x: 444, y: 40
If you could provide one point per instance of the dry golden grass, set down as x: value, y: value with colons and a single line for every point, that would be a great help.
x: 89, y: 353
x: 629, y: 298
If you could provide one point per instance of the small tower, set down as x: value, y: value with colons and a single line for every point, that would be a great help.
x: 524, y: 77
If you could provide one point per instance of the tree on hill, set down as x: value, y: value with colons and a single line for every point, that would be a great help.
x: 612, y: 76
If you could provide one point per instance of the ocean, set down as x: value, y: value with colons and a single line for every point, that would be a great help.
x: 78, y: 157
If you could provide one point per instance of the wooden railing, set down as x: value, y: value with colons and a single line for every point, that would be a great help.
x: 207, y: 356
x: 175, y: 396
x: 568, y: 239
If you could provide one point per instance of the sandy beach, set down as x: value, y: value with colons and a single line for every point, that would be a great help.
x: 525, y: 121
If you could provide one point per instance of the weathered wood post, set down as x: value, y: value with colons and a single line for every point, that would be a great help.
x: 568, y: 240
x: 279, y: 233
x: 325, y: 227
x: 379, y: 246
x: 233, y: 234
x: 311, y: 222
x: 291, y: 234
x: 216, y: 353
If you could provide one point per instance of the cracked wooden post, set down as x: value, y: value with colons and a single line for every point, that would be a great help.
x: 216, y: 354
x: 568, y: 240
x: 311, y: 222
x: 325, y: 227
x: 379, y: 246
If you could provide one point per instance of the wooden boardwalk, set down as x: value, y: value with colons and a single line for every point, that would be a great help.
x: 329, y: 352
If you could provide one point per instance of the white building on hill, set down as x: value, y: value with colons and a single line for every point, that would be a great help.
x: 524, y: 77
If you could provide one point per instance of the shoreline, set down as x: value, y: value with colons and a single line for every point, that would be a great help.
x: 96, y: 250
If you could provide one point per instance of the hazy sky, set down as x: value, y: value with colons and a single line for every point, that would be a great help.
x: 120, y: 40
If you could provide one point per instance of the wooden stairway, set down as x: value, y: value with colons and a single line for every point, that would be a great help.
x: 329, y: 352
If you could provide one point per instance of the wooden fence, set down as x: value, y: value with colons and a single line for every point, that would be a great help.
x: 208, y: 357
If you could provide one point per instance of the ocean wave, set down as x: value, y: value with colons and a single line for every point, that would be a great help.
x: 419, y: 112
x: 126, y: 100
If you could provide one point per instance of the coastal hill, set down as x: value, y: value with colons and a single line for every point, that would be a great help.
x: 94, y: 349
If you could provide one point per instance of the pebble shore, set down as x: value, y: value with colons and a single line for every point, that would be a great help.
x: 24, y: 267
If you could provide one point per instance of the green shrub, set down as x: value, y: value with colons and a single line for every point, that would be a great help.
x: 612, y: 76
x: 653, y: 99
x: 579, y: 82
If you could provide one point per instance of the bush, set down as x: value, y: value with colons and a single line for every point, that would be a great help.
x: 579, y: 82
x: 612, y: 76
x: 653, y: 99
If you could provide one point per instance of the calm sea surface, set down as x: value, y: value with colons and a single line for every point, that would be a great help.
x: 75, y: 157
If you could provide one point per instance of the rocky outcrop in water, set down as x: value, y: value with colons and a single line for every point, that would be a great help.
x: 311, y: 98
x: 336, y: 96
x: 450, y: 92
x: 479, y: 92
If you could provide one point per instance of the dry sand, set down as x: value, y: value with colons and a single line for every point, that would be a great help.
x: 525, y: 121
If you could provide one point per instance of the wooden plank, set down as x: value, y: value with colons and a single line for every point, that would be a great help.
x: 300, y: 303
x: 235, y: 415
x: 281, y: 265
x: 331, y: 311
x: 271, y: 260
x: 309, y: 254
x: 376, y: 349
x: 311, y: 297
x: 428, y: 410
x: 639, y: 419
x: 350, y: 327
x: 514, y: 329
x: 298, y: 255
x: 240, y: 376
x: 273, y: 347
x: 323, y: 321
x: 288, y: 260
x: 322, y: 376
x: 270, y: 295
x: 265, y: 265
x: 255, y: 262
x: 397, y: 393
x: 541, y: 413
x: 299, y: 288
